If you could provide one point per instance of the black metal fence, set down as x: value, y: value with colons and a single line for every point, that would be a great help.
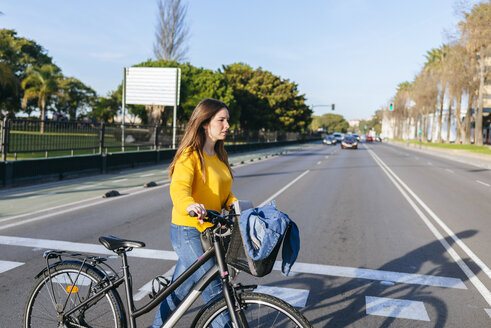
x: 34, y: 136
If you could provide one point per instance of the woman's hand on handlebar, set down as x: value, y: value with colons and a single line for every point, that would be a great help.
x: 199, y: 209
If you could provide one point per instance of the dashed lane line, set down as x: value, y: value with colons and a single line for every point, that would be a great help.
x: 483, y: 183
x: 65, y: 208
x: 396, y: 308
x: 284, y: 188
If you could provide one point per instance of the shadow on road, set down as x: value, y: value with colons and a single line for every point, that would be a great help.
x: 344, y: 305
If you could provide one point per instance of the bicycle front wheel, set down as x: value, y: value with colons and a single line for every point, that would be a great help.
x: 259, y: 310
x: 62, y: 290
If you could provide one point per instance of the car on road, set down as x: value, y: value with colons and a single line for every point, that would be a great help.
x: 369, y: 139
x: 349, y: 142
x: 356, y: 136
x: 378, y: 139
x: 338, y: 136
x: 329, y: 140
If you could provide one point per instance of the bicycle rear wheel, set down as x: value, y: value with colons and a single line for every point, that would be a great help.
x: 259, y: 310
x: 46, y: 307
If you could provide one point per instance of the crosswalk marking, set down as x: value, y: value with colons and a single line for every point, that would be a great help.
x: 84, y: 247
x: 299, y: 267
x: 9, y: 265
x: 396, y: 308
x: 381, y: 275
x: 296, y: 297
x: 488, y: 311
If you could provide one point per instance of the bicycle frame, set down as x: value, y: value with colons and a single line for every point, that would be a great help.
x: 219, y: 269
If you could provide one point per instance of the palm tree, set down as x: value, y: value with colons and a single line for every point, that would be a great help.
x: 41, y: 83
x: 435, y: 62
x: 476, y: 37
x: 424, y: 93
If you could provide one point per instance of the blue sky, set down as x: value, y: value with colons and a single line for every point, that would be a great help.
x: 349, y: 52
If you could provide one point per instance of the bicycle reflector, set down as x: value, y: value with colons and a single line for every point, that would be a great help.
x: 72, y: 289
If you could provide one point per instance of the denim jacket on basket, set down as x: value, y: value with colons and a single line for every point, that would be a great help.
x: 263, y: 227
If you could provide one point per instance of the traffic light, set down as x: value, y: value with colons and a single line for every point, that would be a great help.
x: 332, y: 106
x: 391, y: 106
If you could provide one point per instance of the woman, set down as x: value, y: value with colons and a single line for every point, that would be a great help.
x: 201, y: 180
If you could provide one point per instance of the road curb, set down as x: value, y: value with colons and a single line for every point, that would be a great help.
x: 457, y: 155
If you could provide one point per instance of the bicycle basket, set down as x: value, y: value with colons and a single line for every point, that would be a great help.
x: 238, y: 257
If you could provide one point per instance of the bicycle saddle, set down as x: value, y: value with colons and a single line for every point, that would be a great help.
x: 113, y: 242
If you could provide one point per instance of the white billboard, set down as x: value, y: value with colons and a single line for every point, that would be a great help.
x: 152, y: 86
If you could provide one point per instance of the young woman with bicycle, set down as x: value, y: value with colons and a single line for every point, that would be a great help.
x: 81, y: 290
x: 201, y: 180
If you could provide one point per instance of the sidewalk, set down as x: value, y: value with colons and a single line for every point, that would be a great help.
x: 458, y: 155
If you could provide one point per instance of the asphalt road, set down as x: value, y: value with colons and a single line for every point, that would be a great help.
x: 389, y: 237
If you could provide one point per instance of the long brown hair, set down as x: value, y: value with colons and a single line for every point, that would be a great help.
x: 194, y: 136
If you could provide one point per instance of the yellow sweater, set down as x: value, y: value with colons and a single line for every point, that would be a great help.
x: 187, y: 187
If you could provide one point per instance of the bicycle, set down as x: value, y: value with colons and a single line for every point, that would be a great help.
x: 81, y: 291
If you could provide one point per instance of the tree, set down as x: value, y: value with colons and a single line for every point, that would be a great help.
x: 9, y: 89
x: 75, y: 98
x: 476, y: 37
x: 196, y: 84
x: 41, y: 83
x: 435, y: 62
x: 330, y: 122
x: 172, y: 32
x: 16, y: 55
x: 267, y: 101
x: 105, y: 108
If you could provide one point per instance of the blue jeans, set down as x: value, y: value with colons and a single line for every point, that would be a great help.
x: 186, y: 242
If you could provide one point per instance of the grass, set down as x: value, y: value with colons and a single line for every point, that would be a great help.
x: 472, y: 148
x: 51, y: 154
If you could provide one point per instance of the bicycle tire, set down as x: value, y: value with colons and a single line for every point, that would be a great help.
x: 40, y: 309
x: 260, y: 310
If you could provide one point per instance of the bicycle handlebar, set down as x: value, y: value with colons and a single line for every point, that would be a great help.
x: 214, y: 217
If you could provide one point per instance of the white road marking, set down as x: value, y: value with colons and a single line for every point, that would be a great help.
x: 42, y: 195
x: 370, y: 274
x: 88, y: 186
x: 327, y: 156
x: 147, y: 288
x: 467, y: 271
x: 449, y: 170
x: 9, y: 265
x: 295, y: 296
x: 120, y: 180
x: 319, y: 162
x: 348, y: 272
x: 488, y: 311
x: 147, y: 175
x: 84, y: 247
x: 284, y: 188
x: 396, y: 308
x: 483, y: 183
x: 69, y: 207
